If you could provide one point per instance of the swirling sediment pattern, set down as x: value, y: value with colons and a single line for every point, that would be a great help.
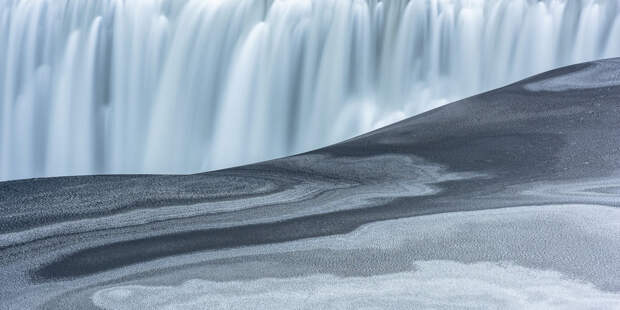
x: 508, y: 198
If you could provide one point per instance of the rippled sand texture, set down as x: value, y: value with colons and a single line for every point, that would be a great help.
x: 503, y: 200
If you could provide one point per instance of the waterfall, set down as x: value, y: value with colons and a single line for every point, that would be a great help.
x: 181, y: 86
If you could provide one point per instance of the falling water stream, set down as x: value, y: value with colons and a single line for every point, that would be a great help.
x: 181, y: 86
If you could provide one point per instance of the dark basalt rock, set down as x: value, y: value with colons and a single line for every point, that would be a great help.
x: 541, y: 145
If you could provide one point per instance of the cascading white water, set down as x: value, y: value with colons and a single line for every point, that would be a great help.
x: 179, y: 86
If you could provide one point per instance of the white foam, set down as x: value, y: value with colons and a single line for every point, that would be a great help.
x: 180, y: 86
x: 436, y: 284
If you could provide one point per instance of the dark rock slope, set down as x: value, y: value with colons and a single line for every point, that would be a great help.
x: 505, y: 198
